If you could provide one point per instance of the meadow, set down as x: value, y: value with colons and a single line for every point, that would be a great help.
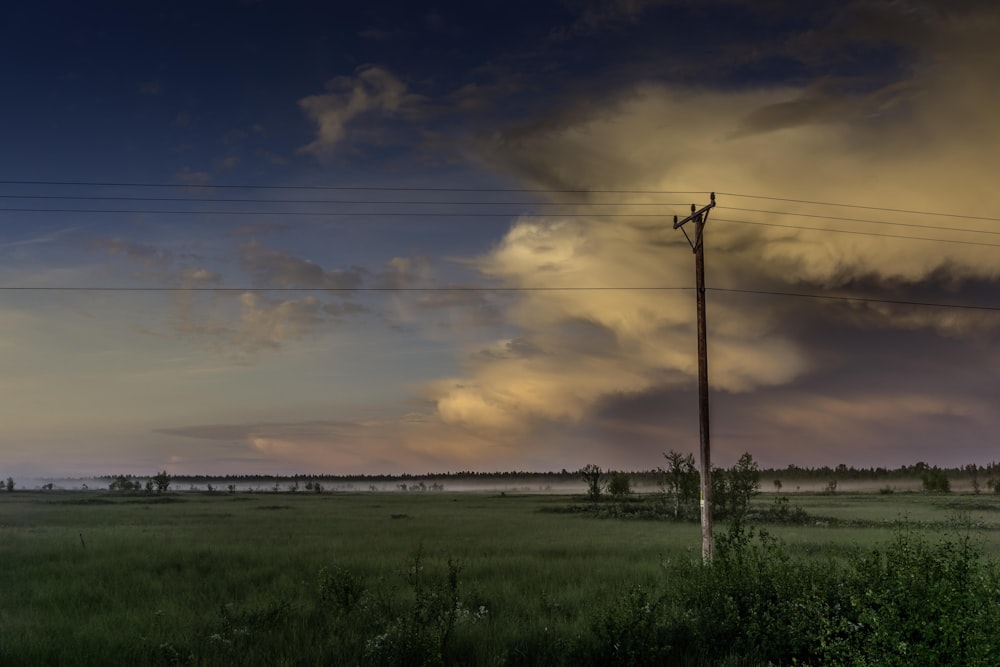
x: 96, y: 578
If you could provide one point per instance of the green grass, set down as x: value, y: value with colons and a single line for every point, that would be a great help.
x: 235, y: 579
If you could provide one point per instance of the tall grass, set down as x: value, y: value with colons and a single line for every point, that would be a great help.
x: 296, y: 579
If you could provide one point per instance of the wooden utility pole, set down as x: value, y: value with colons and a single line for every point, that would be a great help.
x: 700, y: 217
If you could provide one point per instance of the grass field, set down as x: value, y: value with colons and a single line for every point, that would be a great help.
x: 283, y: 578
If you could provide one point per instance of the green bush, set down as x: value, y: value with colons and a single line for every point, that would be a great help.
x: 935, y: 479
x: 619, y: 485
x: 911, y: 602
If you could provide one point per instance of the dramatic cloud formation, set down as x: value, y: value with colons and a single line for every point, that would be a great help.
x: 577, y: 348
x: 380, y: 274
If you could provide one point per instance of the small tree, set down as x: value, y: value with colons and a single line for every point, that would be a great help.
x: 680, y: 484
x: 124, y: 483
x: 162, y: 481
x: 744, y: 484
x: 973, y: 470
x: 935, y: 479
x: 619, y: 485
x: 592, y: 475
x: 10, y: 483
x: 777, y: 486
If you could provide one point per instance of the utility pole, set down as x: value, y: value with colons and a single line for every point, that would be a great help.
x: 700, y: 217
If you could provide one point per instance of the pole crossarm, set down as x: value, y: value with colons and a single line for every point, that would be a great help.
x: 701, y: 215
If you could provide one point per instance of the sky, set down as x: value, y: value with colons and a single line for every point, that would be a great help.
x: 258, y: 237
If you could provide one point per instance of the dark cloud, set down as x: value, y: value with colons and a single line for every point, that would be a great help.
x: 508, y: 349
x: 140, y: 254
x: 404, y: 272
x: 272, y: 268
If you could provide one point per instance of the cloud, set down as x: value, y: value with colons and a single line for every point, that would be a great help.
x: 413, y: 442
x: 925, y: 141
x: 267, y: 324
x: 188, y: 176
x: 139, y: 254
x: 605, y: 14
x: 199, y: 277
x: 403, y: 272
x: 372, y: 91
x: 272, y: 268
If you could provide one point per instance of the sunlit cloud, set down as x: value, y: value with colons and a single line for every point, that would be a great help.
x: 798, y: 143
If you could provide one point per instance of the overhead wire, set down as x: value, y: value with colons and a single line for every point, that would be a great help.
x: 421, y: 202
x: 854, y: 231
x: 866, y: 220
x: 388, y: 188
x: 450, y: 214
x: 501, y: 289
x: 390, y: 214
x: 360, y: 188
x: 861, y: 206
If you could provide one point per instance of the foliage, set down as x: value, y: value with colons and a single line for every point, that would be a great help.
x: 679, y: 485
x: 421, y: 634
x: 935, y: 479
x: 744, y: 484
x: 341, y: 588
x: 124, y: 483
x: 732, y: 490
x: 162, y: 481
x: 782, y: 511
x: 911, y: 602
x: 594, y: 477
x: 619, y: 485
x: 973, y: 472
x: 10, y: 483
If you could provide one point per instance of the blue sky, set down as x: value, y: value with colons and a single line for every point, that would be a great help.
x: 278, y: 193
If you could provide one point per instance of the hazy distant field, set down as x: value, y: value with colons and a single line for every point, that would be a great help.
x: 188, y: 578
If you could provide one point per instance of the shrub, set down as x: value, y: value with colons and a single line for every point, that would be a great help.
x: 679, y: 485
x: 935, y: 479
x: 619, y: 485
x: 593, y: 476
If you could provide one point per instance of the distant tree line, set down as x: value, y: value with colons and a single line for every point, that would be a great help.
x: 933, y: 478
x: 160, y: 483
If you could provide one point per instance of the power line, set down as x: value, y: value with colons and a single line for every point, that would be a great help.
x: 478, y: 288
x: 425, y: 214
x: 372, y: 188
x: 870, y: 208
x: 839, y: 297
x: 875, y: 222
x: 481, y: 288
x: 851, y: 231
x: 390, y: 214
x: 245, y: 200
